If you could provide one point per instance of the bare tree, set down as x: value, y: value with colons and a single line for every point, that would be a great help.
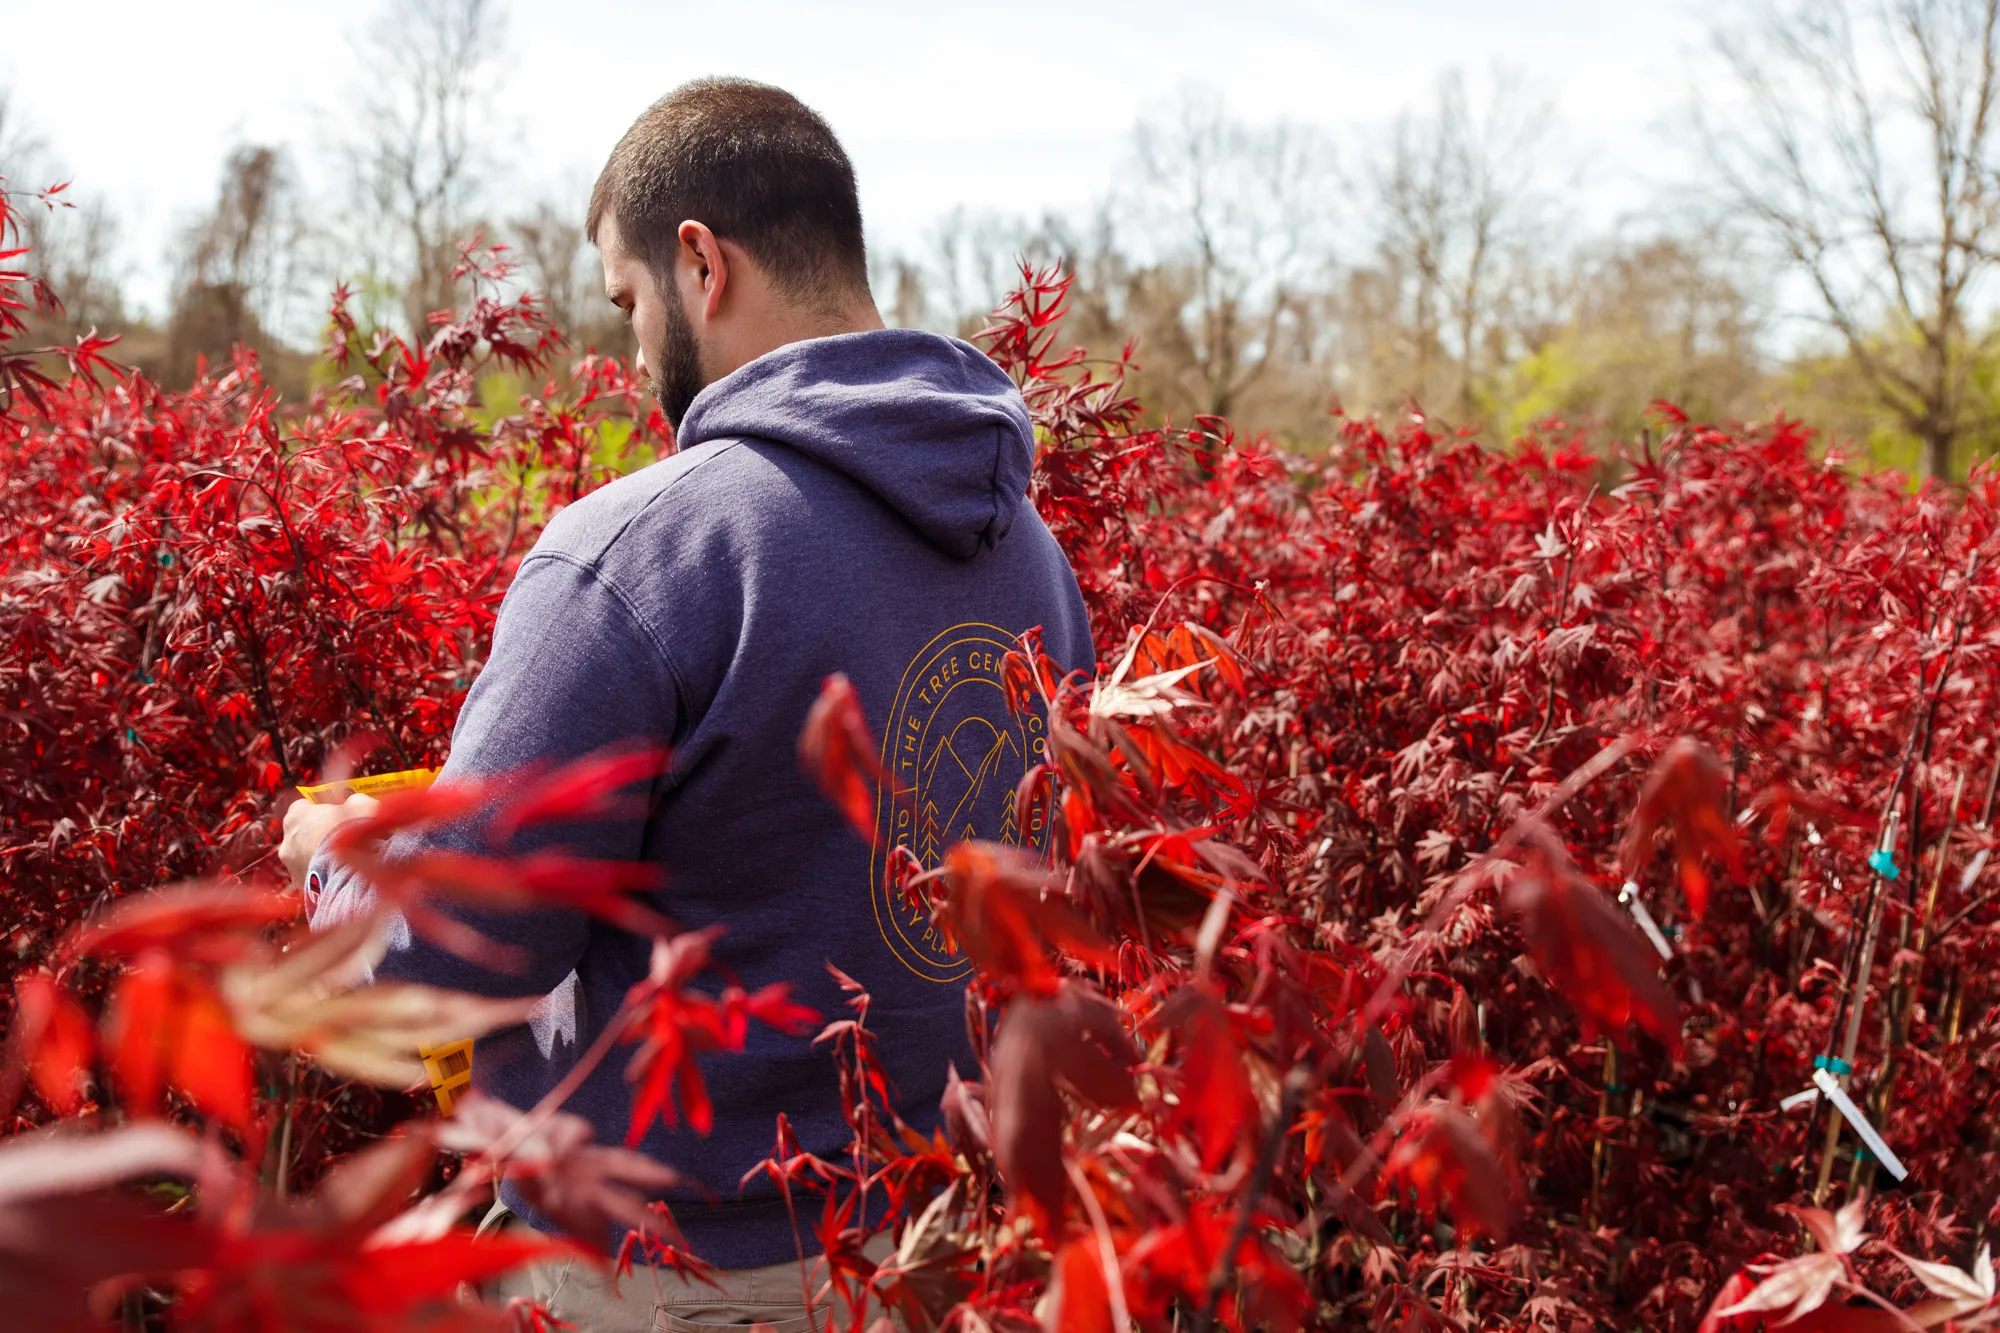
x: 898, y: 282
x: 422, y: 121
x: 22, y: 148
x: 562, y: 266
x: 1459, y: 207
x: 75, y: 244
x: 971, y: 261
x: 240, y: 265
x: 81, y: 252
x: 1865, y: 156
x: 550, y: 243
x: 1216, y: 255
x: 1238, y: 220
x: 1650, y: 316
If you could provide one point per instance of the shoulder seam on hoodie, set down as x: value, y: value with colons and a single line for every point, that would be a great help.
x: 603, y: 546
x: 618, y: 594
x: 724, y: 446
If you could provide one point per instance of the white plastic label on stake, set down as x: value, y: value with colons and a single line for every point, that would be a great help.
x: 1836, y: 1094
x: 1798, y: 1099
x: 1649, y: 927
x: 1973, y: 871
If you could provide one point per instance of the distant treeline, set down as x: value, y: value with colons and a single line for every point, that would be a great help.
x: 1833, y: 258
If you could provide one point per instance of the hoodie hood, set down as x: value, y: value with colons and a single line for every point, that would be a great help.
x: 927, y: 423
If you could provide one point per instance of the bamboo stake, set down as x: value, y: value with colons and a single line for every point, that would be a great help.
x: 1856, y: 997
x: 1973, y: 871
x: 1856, y: 1002
x: 1902, y: 997
x: 1896, y: 1014
x: 285, y: 1129
x: 1937, y: 871
x: 1597, y: 1152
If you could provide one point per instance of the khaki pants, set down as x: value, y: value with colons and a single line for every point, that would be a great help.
x: 659, y: 1300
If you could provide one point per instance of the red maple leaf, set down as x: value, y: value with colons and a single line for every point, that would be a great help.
x: 837, y: 751
x: 674, y: 1024
x: 1688, y: 788
x: 1588, y: 950
x: 167, y: 1026
x: 1000, y: 908
x: 1442, y: 1157
x: 51, y: 1045
x: 1072, y: 1042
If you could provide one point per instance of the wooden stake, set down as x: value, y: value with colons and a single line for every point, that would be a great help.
x: 1597, y: 1153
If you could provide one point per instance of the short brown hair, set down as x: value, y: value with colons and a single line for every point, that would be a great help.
x: 755, y: 165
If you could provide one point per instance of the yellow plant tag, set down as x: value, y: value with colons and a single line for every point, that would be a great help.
x: 332, y: 793
x: 450, y: 1068
x: 449, y: 1064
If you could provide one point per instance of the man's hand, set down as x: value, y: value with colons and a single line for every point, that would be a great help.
x: 306, y: 827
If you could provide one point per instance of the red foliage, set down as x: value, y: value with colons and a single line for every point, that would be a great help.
x: 1685, y: 789
x: 204, y: 591
x: 53, y: 1045
x: 674, y: 1024
x: 167, y: 1025
x: 835, y: 750
x: 1270, y: 1050
x: 1590, y: 952
x: 201, y: 593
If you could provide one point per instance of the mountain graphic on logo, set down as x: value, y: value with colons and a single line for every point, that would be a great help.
x: 966, y: 778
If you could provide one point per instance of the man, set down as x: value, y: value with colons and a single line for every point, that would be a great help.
x: 846, y: 497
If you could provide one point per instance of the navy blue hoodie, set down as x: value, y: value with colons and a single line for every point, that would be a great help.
x: 853, y: 504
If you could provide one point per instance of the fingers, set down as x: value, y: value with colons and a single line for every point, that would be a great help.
x: 301, y: 839
x: 306, y: 826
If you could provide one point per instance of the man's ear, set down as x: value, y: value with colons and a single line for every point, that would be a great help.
x: 703, y: 253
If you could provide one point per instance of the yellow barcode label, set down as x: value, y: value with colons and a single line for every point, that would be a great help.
x: 450, y: 1068
x: 329, y: 793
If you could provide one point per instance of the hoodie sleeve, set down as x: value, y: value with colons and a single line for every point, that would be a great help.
x: 573, y: 670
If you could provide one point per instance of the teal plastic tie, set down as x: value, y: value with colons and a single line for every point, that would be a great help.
x: 1832, y: 1062
x: 1883, y: 862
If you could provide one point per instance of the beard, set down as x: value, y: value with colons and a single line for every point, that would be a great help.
x: 678, y: 378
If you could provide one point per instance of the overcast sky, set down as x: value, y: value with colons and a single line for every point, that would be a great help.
x: 1022, y: 109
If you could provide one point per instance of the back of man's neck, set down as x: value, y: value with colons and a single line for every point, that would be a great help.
x: 802, y: 325
x: 855, y: 317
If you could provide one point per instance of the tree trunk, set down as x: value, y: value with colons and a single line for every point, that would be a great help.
x: 1937, y: 452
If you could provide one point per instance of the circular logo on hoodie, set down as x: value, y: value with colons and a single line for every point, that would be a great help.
x: 953, y: 753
